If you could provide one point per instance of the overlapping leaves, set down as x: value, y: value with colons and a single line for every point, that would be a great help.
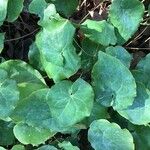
x: 99, y: 31
x: 139, y: 111
x: 27, y: 78
x: 58, y: 55
x: 35, y: 113
x: 18, y: 80
x: 51, y: 111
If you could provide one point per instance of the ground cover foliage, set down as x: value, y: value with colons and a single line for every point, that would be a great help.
x: 74, y: 74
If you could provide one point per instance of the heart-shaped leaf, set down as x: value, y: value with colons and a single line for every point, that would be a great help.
x: 113, y: 83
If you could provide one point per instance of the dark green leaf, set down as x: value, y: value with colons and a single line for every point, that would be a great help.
x: 98, y: 112
x: 141, y: 138
x: 141, y: 77
x: 89, y: 54
x: 2, y: 37
x: 144, y: 64
x: 6, y: 133
x: 142, y: 71
x: 34, y: 57
x: 14, y: 9
x: 65, y: 7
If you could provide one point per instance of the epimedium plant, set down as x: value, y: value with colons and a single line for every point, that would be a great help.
x: 32, y: 111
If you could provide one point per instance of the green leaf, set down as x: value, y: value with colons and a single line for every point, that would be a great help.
x: 67, y: 146
x: 2, y: 37
x: 33, y: 110
x: 126, y: 16
x: 141, y: 138
x: 143, y: 67
x: 18, y: 147
x: 149, y: 9
x: 1, y: 148
x: 9, y: 95
x: 141, y: 77
x: 50, y: 18
x: 6, y: 133
x: 69, y: 130
x: 139, y: 112
x: 34, y: 57
x: 47, y: 147
x: 113, y: 83
x: 56, y: 108
x: 37, y: 7
x: 27, y: 134
x: 89, y: 54
x: 65, y: 7
x: 73, y: 105
x: 109, y: 136
x: 99, y: 31
x: 121, y: 121
x: 98, y: 112
x: 120, y: 39
x: 14, y: 9
x: 21, y: 72
x: 3, y: 10
x: 120, y: 53
x: 144, y: 64
x: 58, y: 55
x: 28, y: 79
x: 2, y: 59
